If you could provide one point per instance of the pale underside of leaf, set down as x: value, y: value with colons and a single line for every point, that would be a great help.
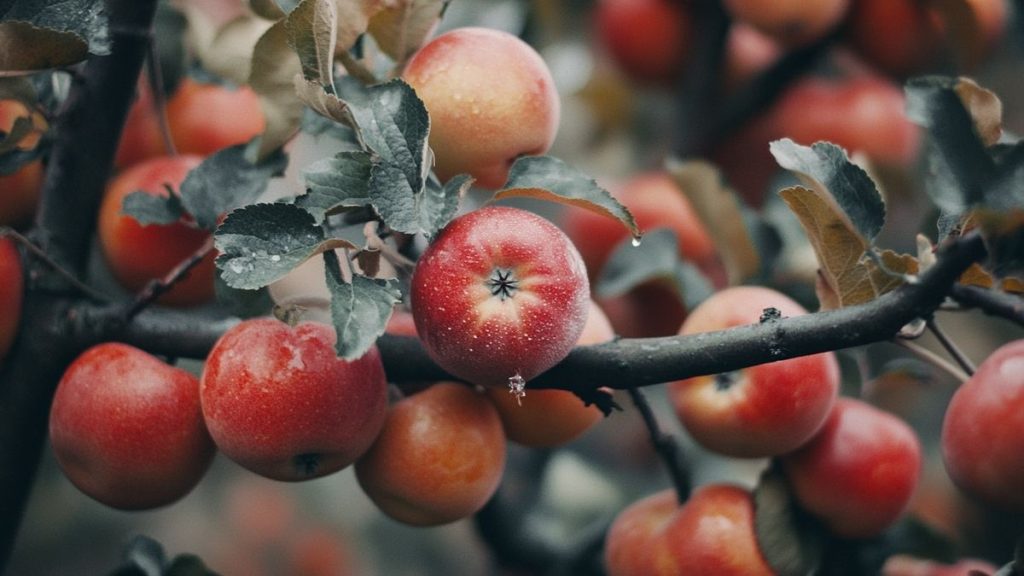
x: 274, y: 67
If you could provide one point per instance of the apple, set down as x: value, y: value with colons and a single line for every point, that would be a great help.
x: 438, y: 459
x: 906, y: 37
x: 20, y: 189
x: 764, y: 410
x: 905, y: 565
x: 500, y: 292
x: 861, y: 114
x: 712, y: 533
x: 278, y: 401
x: 982, y: 428
x: 137, y: 254
x: 859, y: 472
x: 791, y: 22
x: 12, y: 286
x: 127, y: 429
x: 655, y: 201
x: 648, y: 39
x: 748, y: 52
x: 491, y: 99
x: 202, y: 118
x: 548, y: 418
x: 650, y: 309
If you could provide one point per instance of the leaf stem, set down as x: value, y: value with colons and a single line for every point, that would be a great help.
x: 666, y: 446
x: 934, y: 359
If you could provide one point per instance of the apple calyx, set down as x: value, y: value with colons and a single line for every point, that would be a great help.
x: 503, y: 283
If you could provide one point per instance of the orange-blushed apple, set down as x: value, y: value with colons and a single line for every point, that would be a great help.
x: 439, y: 457
x: 279, y: 401
x: 12, y: 286
x: 136, y: 253
x: 859, y: 472
x: 499, y: 293
x: 491, y: 99
x: 983, y: 427
x: 548, y: 418
x: 711, y: 533
x: 127, y: 429
x: 19, y: 190
x: 764, y: 410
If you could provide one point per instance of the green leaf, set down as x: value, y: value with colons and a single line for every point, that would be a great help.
x: 960, y: 170
x: 148, y: 208
x: 261, y: 243
x: 41, y: 34
x: 656, y: 258
x: 272, y: 76
x: 242, y: 303
x: 228, y: 180
x: 327, y: 105
x: 438, y: 205
x: 791, y: 542
x: 825, y: 166
x: 402, y: 28
x: 342, y: 181
x: 143, y: 556
x: 548, y: 178
x: 188, y: 565
x: 360, y: 309
x: 311, y: 33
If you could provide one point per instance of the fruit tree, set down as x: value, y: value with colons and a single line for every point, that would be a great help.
x: 658, y: 287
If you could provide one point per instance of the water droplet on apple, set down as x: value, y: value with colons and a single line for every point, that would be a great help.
x: 635, y: 241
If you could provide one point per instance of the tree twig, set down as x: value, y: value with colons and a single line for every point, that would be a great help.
x: 85, y: 289
x: 991, y: 302
x: 665, y: 445
x: 160, y: 286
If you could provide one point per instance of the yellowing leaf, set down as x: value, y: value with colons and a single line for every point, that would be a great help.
x: 984, y: 107
x: 1013, y: 285
x: 354, y: 19
x: 894, y: 266
x: 977, y: 276
x: 228, y: 51
x: 719, y: 209
x: 25, y: 48
x: 401, y: 28
x: 274, y: 68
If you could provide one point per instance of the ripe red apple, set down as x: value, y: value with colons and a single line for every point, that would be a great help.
x: 438, y: 459
x: 127, y: 429
x: 202, y: 118
x: 137, y: 254
x: 491, y: 99
x: 547, y: 418
x: 712, y: 533
x: 648, y: 39
x: 981, y: 432
x: 650, y: 309
x: 12, y: 285
x: 791, y: 22
x: 19, y: 191
x: 763, y: 410
x: 499, y: 292
x: 655, y: 201
x: 863, y: 113
x: 748, y: 52
x: 279, y: 401
x: 859, y: 472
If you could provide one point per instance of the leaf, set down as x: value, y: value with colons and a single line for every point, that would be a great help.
x: 18, y: 88
x: 985, y: 108
x: 40, y: 34
x: 838, y: 246
x: 242, y: 303
x: 438, y: 205
x: 360, y: 309
x: 959, y: 168
x: 354, y: 19
x: 267, y: 9
x: 261, y: 243
x: 826, y: 167
x: 188, y: 565
x: 656, y: 258
x: 790, y: 540
x: 1004, y: 237
x: 21, y: 129
x: 311, y: 33
x: 887, y: 272
x: 340, y: 181
x: 143, y: 556
x: 227, y: 180
x: 400, y: 29
x: 152, y: 209
x: 229, y: 50
x: 548, y: 178
x: 394, y: 124
x: 721, y: 211
x: 274, y: 67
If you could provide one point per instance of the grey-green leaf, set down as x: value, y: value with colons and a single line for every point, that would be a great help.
x: 340, y: 181
x: 360, y: 309
x: 826, y: 165
x: 228, y: 180
x: 261, y: 243
x: 151, y: 209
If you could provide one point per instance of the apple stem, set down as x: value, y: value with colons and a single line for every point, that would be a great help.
x: 665, y: 445
x: 951, y: 347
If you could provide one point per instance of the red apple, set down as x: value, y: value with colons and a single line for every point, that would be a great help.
x: 547, y: 418
x: 127, y: 429
x: 19, y: 191
x: 279, y: 401
x: 982, y: 430
x: 763, y: 410
x: 748, y: 52
x: 491, y: 99
x: 859, y: 472
x: 202, y: 118
x: 137, y: 254
x: 904, y: 565
x: 438, y: 459
x: 12, y: 285
x: 791, y: 22
x: 499, y: 292
x: 649, y: 39
x: 650, y: 309
x: 712, y: 533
